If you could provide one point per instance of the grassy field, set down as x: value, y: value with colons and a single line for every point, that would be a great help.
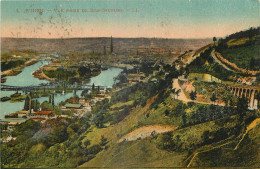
x: 120, y: 104
x: 157, y: 116
x: 141, y: 153
x: 236, y: 42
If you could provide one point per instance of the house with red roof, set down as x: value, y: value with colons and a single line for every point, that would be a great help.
x: 43, y: 114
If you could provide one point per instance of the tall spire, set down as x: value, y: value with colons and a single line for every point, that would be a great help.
x: 111, y: 46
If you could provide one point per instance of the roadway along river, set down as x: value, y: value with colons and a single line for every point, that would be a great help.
x: 25, y: 78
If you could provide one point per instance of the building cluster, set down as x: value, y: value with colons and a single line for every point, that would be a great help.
x: 134, y: 78
x: 80, y: 109
x: 84, y: 106
x: 154, y: 51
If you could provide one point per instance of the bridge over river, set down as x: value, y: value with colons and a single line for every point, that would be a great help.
x: 48, y: 86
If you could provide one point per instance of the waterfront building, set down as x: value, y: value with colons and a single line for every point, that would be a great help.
x: 43, y: 114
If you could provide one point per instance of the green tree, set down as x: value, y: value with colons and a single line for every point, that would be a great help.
x: 86, y: 143
x: 35, y: 105
x: 213, y: 98
x: 103, y: 141
x: 205, y: 137
x: 252, y: 63
x: 83, y: 71
x: 99, y: 120
x: 52, y: 100
x: 214, y: 40
x: 184, y: 119
x: 26, y: 103
x: 6, y: 155
x: 121, y: 78
x: 242, y: 107
x: 228, y: 102
x: 258, y: 99
x: 45, y: 106
x: 173, y: 92
x: 93, y: 87
x: 193, y: 95
x: 177, y: 93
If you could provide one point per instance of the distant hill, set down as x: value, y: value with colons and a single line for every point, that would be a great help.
x: 89, y: 45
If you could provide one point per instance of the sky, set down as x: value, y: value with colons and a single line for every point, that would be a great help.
x: 128, y: 18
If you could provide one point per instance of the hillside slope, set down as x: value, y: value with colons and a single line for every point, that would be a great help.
x: 242, y: 48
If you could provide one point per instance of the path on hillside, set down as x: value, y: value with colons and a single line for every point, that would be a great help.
x: 181, y: 96
x: 249, y: 127
x: 146, y: 131
x: 195, y: 155
x: 218, y: 61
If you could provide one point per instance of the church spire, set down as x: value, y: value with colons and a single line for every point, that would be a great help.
x: 111, y: 45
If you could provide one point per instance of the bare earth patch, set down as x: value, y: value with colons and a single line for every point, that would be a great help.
x: 146, y: 131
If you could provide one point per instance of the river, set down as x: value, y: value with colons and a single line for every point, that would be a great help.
x: 25, y: 78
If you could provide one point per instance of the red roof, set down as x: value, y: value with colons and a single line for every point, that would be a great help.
x: 37, y: 119
x: 44, y: 112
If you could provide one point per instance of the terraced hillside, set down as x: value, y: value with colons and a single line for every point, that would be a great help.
x: 242, y: 49
x: 235, y: 58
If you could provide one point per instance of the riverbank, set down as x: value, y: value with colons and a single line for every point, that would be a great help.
x: 39, y: 74
x: 116, y: 65
x: 74, y: 73
x: 17, y: 70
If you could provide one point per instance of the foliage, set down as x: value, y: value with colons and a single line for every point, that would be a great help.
x: 194, y: 113
x: 35, y: 105
x: 244, y: 55
x: 103, y: 141
x: 60, y: 74
x: 38, y: 146
x: 74, y: 99
x: 242, y: 107
x: 99, y: 120
x: 26, y: 129
x: 46, y: 106
x: 11, y: 64
x: 84, y: 71
x: 193, y: 95
x: 206, y: 64
x: 121, y: 78
x: 120, y: 115
x: 214, y: 39
x: 26, y: 103
x: 213, y: 97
